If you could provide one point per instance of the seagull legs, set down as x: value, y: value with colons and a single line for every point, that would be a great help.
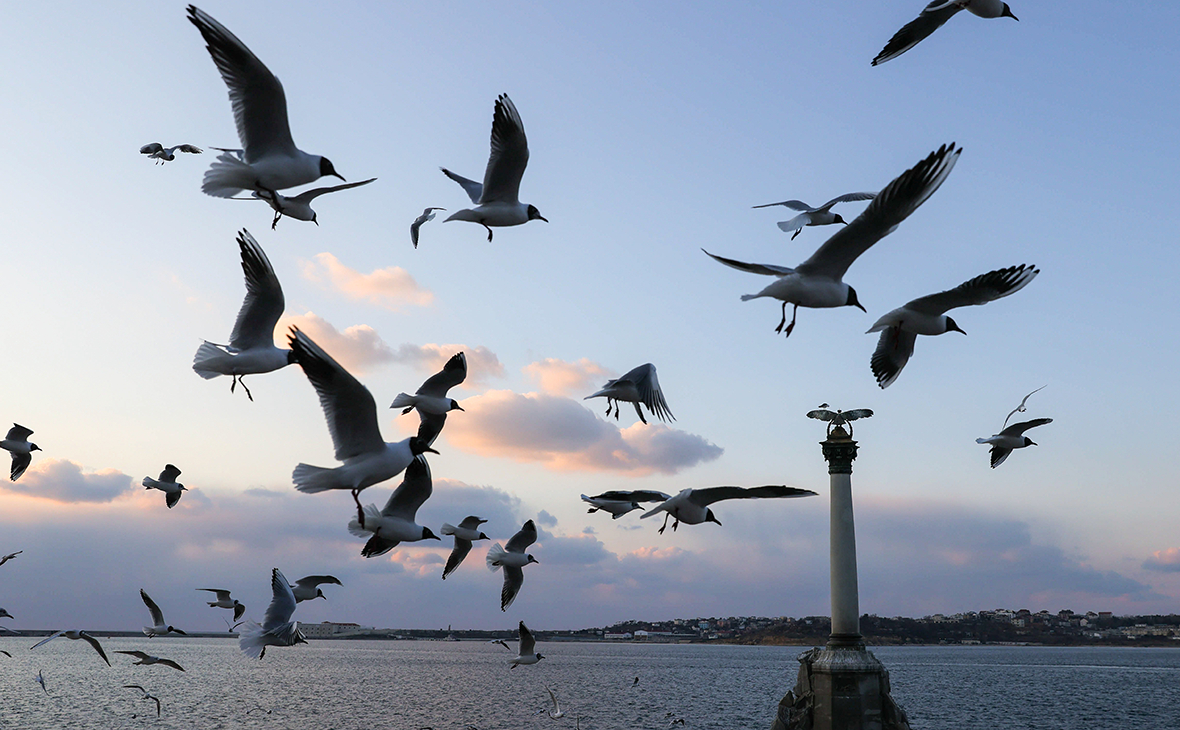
x: 485, y: 225
x: 360, y: 513
x: 665, y: 525
x: 790, y: 326
x: 639, y: 413
x: 275, y: 222
x: 796, y: 233
x: 237, y: 378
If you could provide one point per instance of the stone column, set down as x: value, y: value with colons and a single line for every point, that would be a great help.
x: 839, y: 451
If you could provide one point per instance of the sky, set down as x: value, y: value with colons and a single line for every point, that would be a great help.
x: 653, y: 130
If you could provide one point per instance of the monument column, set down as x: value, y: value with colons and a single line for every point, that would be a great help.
x: 839, y: 452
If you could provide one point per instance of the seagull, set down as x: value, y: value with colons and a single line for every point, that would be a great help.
x: 528, y: 648
x: 638, y: 386
x: 146, y: 695
x: 41, y: 680
x: 619, y: 503
x: 17, y: 442
x: 307, y: 588
x: 820, y: 216
x: 76, y: 634
x: 466, y: 533
x: 1019, y: 409
x: 167, y: 484
x: 161, y: 154
x: 427, y: 215
x: 5, y: 558
x: 159, y: 626
x: 927, y: 316
x: 395, y: 522
x: 352, y: 420
x: 251, y: 348
x: 932, y: 18
x: 501, y: 642
x: 512, y: 558
x: 148, y: 659
x: 5, y: 653
x: 229, y: 628
x: 556, y: 713
x: 1010, y: 438
x: 691, y: 506
x: 277, y: 628
x: 431, y: 399
x: 299, y: 206
x: 269, y: 159
x: 224, y: 601
x: 497, y: 199
x: 818, y: 281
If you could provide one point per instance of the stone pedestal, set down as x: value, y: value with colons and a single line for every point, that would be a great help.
x: 842, y: 688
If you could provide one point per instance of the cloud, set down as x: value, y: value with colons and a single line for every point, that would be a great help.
x: 391, y: 287
x: 63, y: 481
x: 564, y: 436
x: 358, y: 348
x: 560, y: 377
x: 1167, y: 561
x: 482, y: 363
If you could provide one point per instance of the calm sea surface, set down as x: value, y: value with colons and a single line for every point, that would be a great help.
x: 385, y: 685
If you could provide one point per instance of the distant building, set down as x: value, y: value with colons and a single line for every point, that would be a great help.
x: 330, y: 630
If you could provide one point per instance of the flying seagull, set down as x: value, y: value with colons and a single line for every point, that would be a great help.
x: 395, y: 524
x: 691, y: 506
x: 556, y: 713
x: 431, y: 399
x: 225, y: 601
x: 427, y: 215
x: 512, y: 558
x: 351, y: 413
x: 40, y: 679
x: 167, y: 484
x: 18, y: 444
x: 838, y: 417
x: 640, y: 385
x: 159, y: 626
x: 818, y: 216
x: 161, y: 154
x: 932, y: 18
x: 277, y: 628
x: 818, y: 282
x: 76, y: 634
x: 1010, y: 438
x: 5, y: 558
x: 146, y: 695
x: 299, y: 206
x: 148, y: 659
x: 497, y: 199
x: 466, y: 533
x: 927, y: 316
x: 308, y: 587
x: 619, y: 503
x: 501, y: 642
x: 1018, y: 409
x: 528, y: 653
x: 251, y: 348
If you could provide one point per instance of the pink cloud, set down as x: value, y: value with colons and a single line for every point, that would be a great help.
x: 358, y: 348
x: 1167, y: 560
x: 560, y: 377
x: 64, y: 481
x: 391, y: 287
x: 482, y: 363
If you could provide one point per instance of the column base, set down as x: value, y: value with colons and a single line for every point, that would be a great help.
x: 840, y: 688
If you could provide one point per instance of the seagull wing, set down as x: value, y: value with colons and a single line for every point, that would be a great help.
x: 792, y: 204
x: 458, y: 553
x: 638, y: 495
x: 767, y: 269
x: 48, y: 639
x: 151, y: 149
x: 170, y: 663
x: 94, y: 643
x: 20, y: 462
x: 452, y: 374
x: 795, y: 223
x: 311, y: 581
x: 153, y: 609
x: 846, y: 198
x: 913, y: 32
x: 471, y: 522
x: 528, y: 645
x: 169, y: 474
x: 282, y: 605
x: 513, y: 580
x: 709, y: 495
x: 648, y: 386
x: 136, y: 654
x: 171, y: 498
x: 431, y: 426
x: 509, y: 157
x: 894, y: 348
x: 1018, y: 429
x: 522, y: 539
x: 309, y: 195
x: 18, y: 433
x: 259, y: 104
x: 190, y: 148
x: 998, y: 454
x: 348, y: 406
x: 222, y: 594
x: 892, y: 205
x: 415, y: 489
x: 473, y: 189
x: 980, y: 290
x: 264, y: 303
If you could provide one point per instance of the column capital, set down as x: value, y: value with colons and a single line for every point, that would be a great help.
x: 839, y: 451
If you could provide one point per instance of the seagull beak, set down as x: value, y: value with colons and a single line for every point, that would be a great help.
x: 542, y: 218
x: 339, y: 176
x: 431, y: 450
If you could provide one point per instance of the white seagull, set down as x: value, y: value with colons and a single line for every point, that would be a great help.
x: 512, y: 558
x: 277, y: 628
x: 497, y: 199
x: 395, y: 524
x: 147, y: 659
x: 146, y: 695
x: 76, y: 634
x: 352, y: 420
x: 927, y: 316
x: 251, y: 348
x: 528, y: 653
x: 269, y: 159
x: 299, y: 206
x: 1018, y: 409
x: 818, y: 282
x: 427, y: 215
x: 308, y: 587
x: 691, y: 506
x: 431, y: 399
x: 1010, y: 438
x: 161, y: 154
x: 18, y: 444
x: 159, y: 626
x: 167, y: 484
x: 225, y: 601
x: 818, y: 216
x: 40, y: 679
x: 639, y: 385
x: 932, y: 18
x: 556, y: 713
x: 465, y: 534
x: 5, y: 558
x: 619, y: 503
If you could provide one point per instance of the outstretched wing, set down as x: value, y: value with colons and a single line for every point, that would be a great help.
x: 980, y: 290
x: 509, y: 155
x: 767, y: 269
x: 282, y: 604
x: 416, y: 488
x: 915, y: 31
x: 264, y: 303
x: 1018, y: 429
x: 522, y: 539
x: 894, y: 348
x: 650, y: 393
x: 452, y: 374
x: 709, y: 495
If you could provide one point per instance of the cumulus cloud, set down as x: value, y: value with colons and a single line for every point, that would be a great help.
x: 1167, y: 561
x: 358, y: 348
x: 564, y: 436
x: 482, y: 363
x: 560, y: 377
x: 64, y: 481
x: 391, y: 287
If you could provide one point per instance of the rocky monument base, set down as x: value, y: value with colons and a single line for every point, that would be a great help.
x: 840, y: 688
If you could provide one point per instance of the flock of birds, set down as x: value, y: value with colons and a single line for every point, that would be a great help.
x: 269, y: 162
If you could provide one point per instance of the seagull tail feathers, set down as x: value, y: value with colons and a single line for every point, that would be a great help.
x: 495, y: 554
x: 206, y: 355
x: 314, y: 479
x: 981, y: 441
x: 250, y: 640
x: 447, y: 529
x: 403, y: 400
x: 748, y: 297
x: 371, y: 514
x: 225, y: 177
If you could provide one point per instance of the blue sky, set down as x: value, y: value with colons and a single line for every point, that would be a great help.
x: 653, y: 129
